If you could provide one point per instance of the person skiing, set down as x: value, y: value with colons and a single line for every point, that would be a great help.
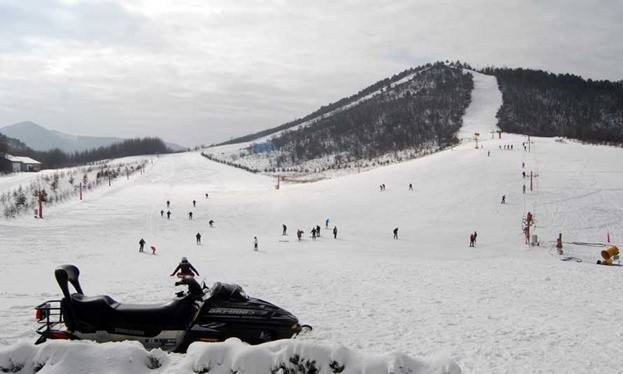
x: 284, y: 229
x: 559, y: 244
x: 488, y: 153
x: 168, y: 203
x: 313, y: 233
x: 523, y: 174
x: 410, y: 186
x: 194, y: 203
x: 185, y: 269
x: 211, y: 223
x: 529, y: 218
x: 198, y: 236
x: 162, y: 213
x: 396, y: 233
x: 255, y: 246
x: 334, y: 232
x: 206, y: 195
x: 326, y: 223
x: 471, y: 240
x: 299, y: 234
x: 475, y: 237
x: 526, y: 233
x: 503, y: 199
x: 523, y: 165
x: 318, y: 230
x: 190, y: 215
x: 141, y: 244
x: 168, y: 214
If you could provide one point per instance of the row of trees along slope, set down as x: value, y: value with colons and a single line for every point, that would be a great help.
x: 545, y: 104
x: 426, y: 109
x: 56, y: 158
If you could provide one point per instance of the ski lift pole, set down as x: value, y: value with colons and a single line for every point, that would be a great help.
x: 40, y: 200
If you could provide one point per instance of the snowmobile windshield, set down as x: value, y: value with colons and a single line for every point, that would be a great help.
x: 224, y: 291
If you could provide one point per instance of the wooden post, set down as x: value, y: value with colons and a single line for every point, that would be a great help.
x: 80, y: 190
x: 40, y: 205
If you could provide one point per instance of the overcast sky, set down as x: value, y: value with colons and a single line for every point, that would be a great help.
x: 202, y: 71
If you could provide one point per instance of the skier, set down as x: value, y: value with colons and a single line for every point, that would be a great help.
x: 190, y: 215
x: 313, y: 233
x: 162, y: 213
x: 168, y: 214
x: 380, y: 187
x: 523, y: 165
x: 526, y: 233
x: 141, y: 244
x: 384, y: 187
x: 523, y: 174
x: 410, y: 186
x: 284, y: 229
x: 471, y: 240
x: 211, y: 223
x: 396, y: 233
x: 529, y: 218
x: 475, y: 236
x: 299, y: 234
x: 168, y: 203
x: 559, y: 244
x: 524, y: 188
x: 326, y: 223
x: 318, y: 230
x: 206, y: 196
x: 488, y: 153
x: 194, y: 203
x: 503, y: 199
x: 334, y: 232
x: 185, y: 269
x: 255, y: 243
x: 198, y: 236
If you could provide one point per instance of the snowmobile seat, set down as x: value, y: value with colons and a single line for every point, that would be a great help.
x: 104, y: 313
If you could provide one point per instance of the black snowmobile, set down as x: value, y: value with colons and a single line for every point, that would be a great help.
x: 198, y: 314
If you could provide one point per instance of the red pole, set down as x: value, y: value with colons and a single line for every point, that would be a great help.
x: 530, y: 180
x: 80, y: 190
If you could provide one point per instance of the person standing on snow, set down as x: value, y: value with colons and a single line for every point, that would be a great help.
x: 396, y: 233
x: 185, y: 269
x: 206, y: 196
x: 190, y: 215
x: 326, y: 223
x: 255, y: 245
x: 168, y: 203
x: 284, y: 229
x: 471, y: 240
x: 141, y: 245
x: 198, y: 236
x: 318, y: 230
x: 313, y: 233
x: 334, y: 232
x: 168, y: 214
x: 162, y: 213
x: 194, y: 203
x: 410, y: 186
x: 503, y: 199
x: 299, y: 234
x: 475, y: 236
x: 211, y: 223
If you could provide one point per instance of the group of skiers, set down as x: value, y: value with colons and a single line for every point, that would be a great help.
x: 508, y: 147
x: 315, y: 231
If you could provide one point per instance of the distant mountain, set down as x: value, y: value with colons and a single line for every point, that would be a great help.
x: 41, y: 139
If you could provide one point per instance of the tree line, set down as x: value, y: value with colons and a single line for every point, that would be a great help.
x: 545, y: 104
x: 56, y: 158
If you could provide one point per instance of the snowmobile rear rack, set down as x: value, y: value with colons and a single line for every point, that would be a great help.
x: 48, y: 314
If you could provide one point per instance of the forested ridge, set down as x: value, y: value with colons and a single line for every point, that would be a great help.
x: 540, y: 103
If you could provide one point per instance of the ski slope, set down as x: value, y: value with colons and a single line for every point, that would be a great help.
x: 499, y: 307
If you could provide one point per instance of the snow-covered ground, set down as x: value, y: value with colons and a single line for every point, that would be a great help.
x: 499, y: 307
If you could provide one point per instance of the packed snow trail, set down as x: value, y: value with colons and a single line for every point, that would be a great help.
x: 480, y: 115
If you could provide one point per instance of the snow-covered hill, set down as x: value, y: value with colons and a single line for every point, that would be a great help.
x: 499, y: 307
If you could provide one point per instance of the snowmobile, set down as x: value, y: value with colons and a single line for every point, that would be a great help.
x: 197, y: 314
